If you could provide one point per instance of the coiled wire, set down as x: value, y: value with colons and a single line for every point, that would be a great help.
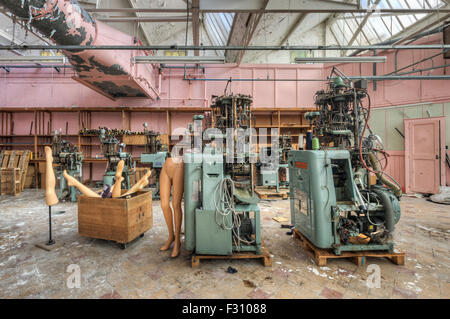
x: 225, y: 209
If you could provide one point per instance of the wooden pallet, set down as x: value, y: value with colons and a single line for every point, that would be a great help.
x: 10, y: 181
x: 267, y: 193
x: 265, y: 257
x: 13, y: 160
x: 321, y: 256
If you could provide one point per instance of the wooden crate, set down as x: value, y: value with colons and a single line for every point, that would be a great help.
x: 10, y: 183
x: 321, y: 256
x: 121, y: 220
x: 16, y: 159
x: 265, y: 257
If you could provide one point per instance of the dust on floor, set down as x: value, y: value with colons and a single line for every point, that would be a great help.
x: 142, y: 271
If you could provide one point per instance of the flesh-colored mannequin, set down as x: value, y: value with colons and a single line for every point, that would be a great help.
x: 112, y: 188
x: 172, y: 176
x: 140, y: 184
x: 50, y: 181
x: 116, y: 192
x: 71, y: 181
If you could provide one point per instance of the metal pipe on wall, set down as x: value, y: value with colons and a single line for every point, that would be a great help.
x: 362, y: 77
x: 222, y: 48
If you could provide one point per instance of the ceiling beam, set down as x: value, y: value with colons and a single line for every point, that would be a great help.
x: 294, y: 27
x: 242, y: 30
x: 301, y: 18
x: 332, y: 18
x: 133, y: 5
x: 362, y: 24
x: 195, y: 6
x: 297, y: 7
x: 362, y: 32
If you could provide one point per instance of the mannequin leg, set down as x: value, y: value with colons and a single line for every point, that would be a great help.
x: 177, y: 196
x: 143, y: 182
x: 50, y: 181
x: 71, y: 181
x: 116, y: 192
x: 164, y: 190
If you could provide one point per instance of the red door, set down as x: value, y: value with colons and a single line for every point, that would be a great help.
x: 424, y: 149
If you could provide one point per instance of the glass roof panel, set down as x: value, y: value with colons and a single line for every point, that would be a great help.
x: 218, y: 27
x: 380, y: 27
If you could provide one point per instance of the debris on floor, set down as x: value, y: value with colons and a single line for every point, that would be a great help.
x: 443, y: 197
x: 142, y: 271
x: 231, y: 270
x: 280, y: 219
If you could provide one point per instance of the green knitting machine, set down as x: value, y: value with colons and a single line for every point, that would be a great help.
x: 275, y: 173
x: 113, y: 150
x: 221, y: 209
x: 333, y: 202
x: 70, y: 159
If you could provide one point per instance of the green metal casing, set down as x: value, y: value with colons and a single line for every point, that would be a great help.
x: 268, y: 178
x: 202, y: 234
x: 315, y: 201
x: 311, y: 202
x: 192, y: 195
x: 202, y: 231
x: 210, y: 238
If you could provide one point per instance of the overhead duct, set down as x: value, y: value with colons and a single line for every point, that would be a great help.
x: 65, y: 22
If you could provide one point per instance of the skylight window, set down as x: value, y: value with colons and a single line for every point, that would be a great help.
x: 379, y: 27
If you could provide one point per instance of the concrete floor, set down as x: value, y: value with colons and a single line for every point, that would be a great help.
x: 142, y: 271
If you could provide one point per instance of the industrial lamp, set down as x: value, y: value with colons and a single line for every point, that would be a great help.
x: 34, y: 59
x: 179, y: 59
x: 344, y: 59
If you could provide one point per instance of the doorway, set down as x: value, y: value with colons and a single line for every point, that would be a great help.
x: 425, y: 155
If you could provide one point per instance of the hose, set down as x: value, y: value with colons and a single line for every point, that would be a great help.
x: 393, y: 186
x: 389, y: 211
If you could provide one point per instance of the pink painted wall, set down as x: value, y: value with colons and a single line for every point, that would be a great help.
x: 46, y: 88
x: 396, y: 166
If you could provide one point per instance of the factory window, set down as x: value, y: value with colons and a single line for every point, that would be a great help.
x: 379, y: 27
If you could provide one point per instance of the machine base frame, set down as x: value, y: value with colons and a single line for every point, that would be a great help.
x: 321, y: 256
x: 265, y: 257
